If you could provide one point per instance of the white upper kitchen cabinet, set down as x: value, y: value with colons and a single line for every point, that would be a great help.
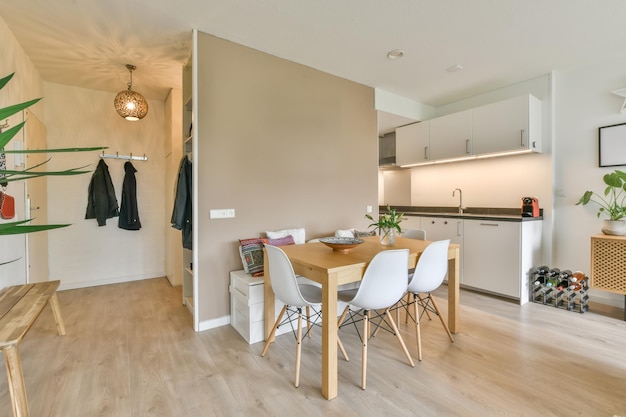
x: 412, y: 143
x: 451, y: 135
x: 509, y: 125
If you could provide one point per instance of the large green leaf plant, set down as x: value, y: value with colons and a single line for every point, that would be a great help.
x: 22, y: 226
x: 613, y: 203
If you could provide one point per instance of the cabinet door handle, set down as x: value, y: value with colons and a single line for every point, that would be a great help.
x: 468, y: 147
x: 458, y: 229
x: 521, y: 137
x: 425, y: 152
x: 489, y: 224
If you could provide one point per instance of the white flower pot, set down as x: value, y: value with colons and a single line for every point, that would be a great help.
x: 614, y: 227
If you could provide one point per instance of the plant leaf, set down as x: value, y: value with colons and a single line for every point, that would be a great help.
x: 11, y: 110
x: 23, y: 229
x: 96, y: 148
x: 72, y: 171
x: 5, y: 80
x: 12, y: 224
x: 585, y: 198
x: 7, y: 135
x: 8, y: 262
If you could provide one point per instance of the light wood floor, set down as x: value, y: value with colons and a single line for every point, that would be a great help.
x: 130, y: 351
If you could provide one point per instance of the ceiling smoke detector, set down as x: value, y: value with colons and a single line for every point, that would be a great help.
x: 395, y: 54
x: 455, y: 68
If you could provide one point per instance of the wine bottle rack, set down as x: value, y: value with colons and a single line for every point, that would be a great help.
x: 560, y: 289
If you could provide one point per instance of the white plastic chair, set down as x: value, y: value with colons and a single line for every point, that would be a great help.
x: 430, y: 271
x: 295, y: 296
x: 414, y: 234
x: 383, y: 284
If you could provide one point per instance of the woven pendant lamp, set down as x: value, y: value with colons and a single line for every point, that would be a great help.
x: 130, y: 104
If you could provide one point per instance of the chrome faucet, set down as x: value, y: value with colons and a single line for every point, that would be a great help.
x: 461, y: 208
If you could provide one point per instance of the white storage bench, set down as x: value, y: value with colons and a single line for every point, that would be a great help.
x: 246, y: 307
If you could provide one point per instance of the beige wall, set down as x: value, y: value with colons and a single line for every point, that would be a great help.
x: 584, y: 103
x: 282, y: 144
x: 85, y: 254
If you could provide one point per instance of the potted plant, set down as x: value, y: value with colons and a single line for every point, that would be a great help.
x: 611, y: 204
x: 22, y: 226
x: 388, y: 223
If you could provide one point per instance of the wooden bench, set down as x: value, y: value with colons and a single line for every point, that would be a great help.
x: 20, y: 305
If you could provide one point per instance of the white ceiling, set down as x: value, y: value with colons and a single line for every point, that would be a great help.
x: 86, y: 43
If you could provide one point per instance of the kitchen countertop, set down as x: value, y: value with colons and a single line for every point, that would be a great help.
x: 471, y: 213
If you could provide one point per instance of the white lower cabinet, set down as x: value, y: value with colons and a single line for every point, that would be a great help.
x: 411, y: 222
x: 441, y: 228
x: 499, y: 256
x: 246, y: 307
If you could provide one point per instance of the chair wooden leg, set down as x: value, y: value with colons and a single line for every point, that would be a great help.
x: 421, y: 300
x: 406, y: 310
x: 375, y: 331
x: 308, y: 321
x: 399, y: 336
x: 343, y: 316
x: 341, y: 348
x: 298, y: 347
x: 366, y: 331
x: 271, y: 336
x: 418, y: 335
x: 443, y: 322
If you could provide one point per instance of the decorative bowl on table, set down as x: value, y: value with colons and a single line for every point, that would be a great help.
x: 341, y: 244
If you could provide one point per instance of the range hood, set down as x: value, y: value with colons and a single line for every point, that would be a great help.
x: 387, y: 150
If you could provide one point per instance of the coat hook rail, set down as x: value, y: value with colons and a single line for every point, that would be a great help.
x: 131, y: 157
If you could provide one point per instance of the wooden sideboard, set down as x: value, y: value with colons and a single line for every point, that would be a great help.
x: 608, y: 264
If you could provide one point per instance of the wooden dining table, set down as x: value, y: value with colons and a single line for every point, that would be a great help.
x: 331, y: 269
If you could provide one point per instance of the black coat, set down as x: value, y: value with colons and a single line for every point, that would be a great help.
x: 129, y: 213
x: 181, y: 214
x: 101, y: 201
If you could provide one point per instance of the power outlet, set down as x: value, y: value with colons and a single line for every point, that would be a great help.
x: 221, y: 213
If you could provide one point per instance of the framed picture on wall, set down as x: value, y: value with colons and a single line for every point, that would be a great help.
x: 612, y: 149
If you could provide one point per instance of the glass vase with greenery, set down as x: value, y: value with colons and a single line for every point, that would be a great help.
x: 388, y: 224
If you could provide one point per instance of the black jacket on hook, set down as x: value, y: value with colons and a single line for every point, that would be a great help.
x: 101, y: 201
x: 181, y: 214
x: 129, y: 213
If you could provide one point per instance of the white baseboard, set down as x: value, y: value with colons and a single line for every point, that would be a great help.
x: 213, y: 323
x: 117, y: 280
x: 605, y: 297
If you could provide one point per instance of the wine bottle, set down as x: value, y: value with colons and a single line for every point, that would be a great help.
x: 539, y: 279
x: 566, y: 274
x: 577, y: 276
